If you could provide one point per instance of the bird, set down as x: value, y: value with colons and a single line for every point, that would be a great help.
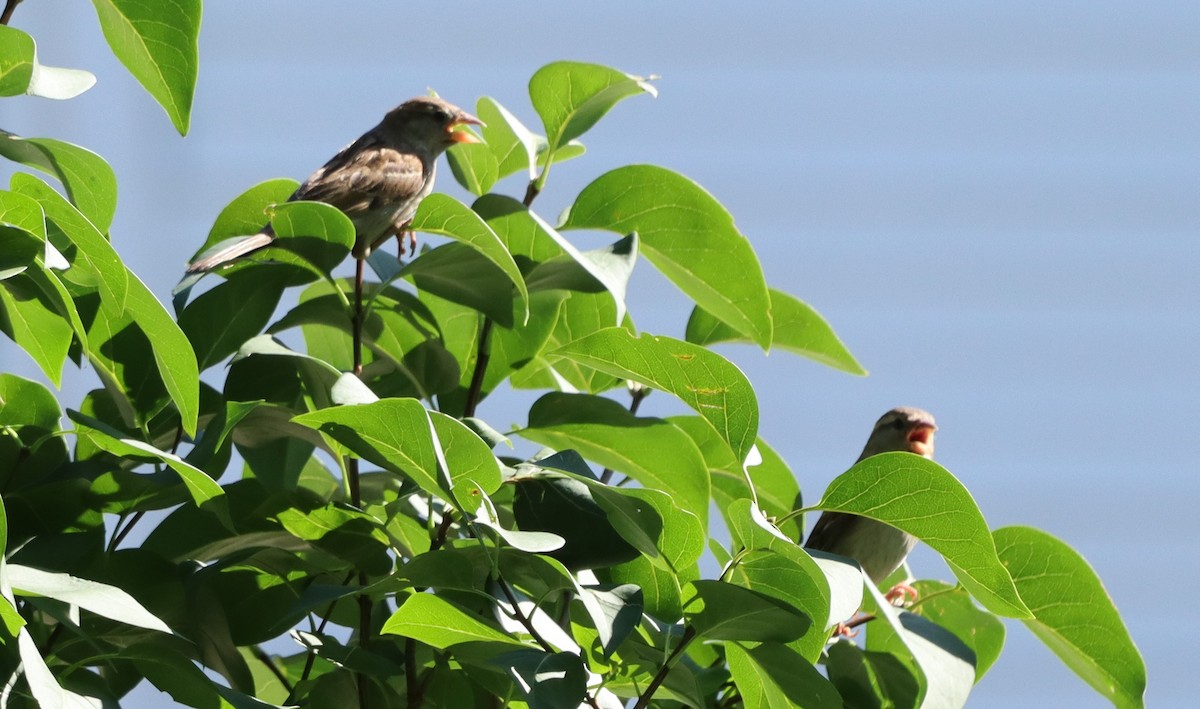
x: 377, y: 181
x: 878, y: 548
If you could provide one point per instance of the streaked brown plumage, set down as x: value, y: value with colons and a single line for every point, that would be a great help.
x: 877, y: 547
x: 378, y: 180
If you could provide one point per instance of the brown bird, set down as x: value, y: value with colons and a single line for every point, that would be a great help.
x: 378, y: 180
x: 877, y: 547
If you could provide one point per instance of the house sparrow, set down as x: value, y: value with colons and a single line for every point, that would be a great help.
x: 877, y: 547
x: 378, y: 180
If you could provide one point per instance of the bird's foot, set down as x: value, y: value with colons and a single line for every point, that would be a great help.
x: 896, y: 596
x: 844, y: 630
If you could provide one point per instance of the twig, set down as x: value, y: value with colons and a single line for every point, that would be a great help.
x: 356, y: 320
x: 264, y: 658
x: 482, y: 355
x: 8, y: 11
x: 312, y: 655
x: 689, y: 633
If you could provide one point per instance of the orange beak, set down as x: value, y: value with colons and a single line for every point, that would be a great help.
x: 458, y: 131
x: 920, y: 439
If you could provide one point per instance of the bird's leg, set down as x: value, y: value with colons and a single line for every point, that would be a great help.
x: 899, y: 592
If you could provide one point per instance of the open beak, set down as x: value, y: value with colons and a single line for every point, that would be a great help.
x: 920, y: 439
x: 459, y: 133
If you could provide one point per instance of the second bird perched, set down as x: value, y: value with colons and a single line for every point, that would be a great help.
x: 378, y: 180
x: 879, y: 548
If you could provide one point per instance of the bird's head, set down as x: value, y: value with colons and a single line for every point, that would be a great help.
x: 904, y: 428
x: 432, y: 122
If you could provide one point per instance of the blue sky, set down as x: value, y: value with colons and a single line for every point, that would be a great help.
x: 997, y: 208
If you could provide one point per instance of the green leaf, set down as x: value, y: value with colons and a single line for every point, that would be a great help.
x: 397, y: 434
x: 539, y: 248
x: 686, y: 234
x: 945, y: 666
x: 774, y: 485
x: 158, y: 44
x: 713, y: 386
x: 565, y: 507
x: 89, y: 181
x: 571, y: 97
x: 99, y: 598
x: 205, y: 492
x: 223, y: 318
x: 474, y: 166
x: 548, y: 681
x: 661, y: 591
x: 30, y: 317
x: 319, y: 233
x: 797, y: 328
x: 615, y: 610
x: 1073, y: 613
x: 17, y: 57
x: 440, y: 214
x: 347, y: 534
x: 722, y: 611
x: 778, y: 567
x: 772, y: 676
x: 513, y: 146
x: 441, y: 624
x: 249, y: 212
x: 919, y: 496
x: 124, y: 300
x: 951, y: 607
x: 461, y: 275
x: 650, y: 450
x: 871, y: 679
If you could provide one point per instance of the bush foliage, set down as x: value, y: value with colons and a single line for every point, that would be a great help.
x: 324, y: 539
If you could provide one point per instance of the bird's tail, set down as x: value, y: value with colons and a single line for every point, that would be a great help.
x: 227, y: 250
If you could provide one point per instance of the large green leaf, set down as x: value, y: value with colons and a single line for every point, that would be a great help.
x: 438, y: 622
x: 89, y: 181
x: 222, y: 319
x: 205, y: 492
x: 440, y: 214
x: 159, y: 44
x: 686, y: 234
x: 919, y: 496
x: 124, y: 300
x: 32, y: 319
x: 650, y: 450
x: 571, y: 97
x: 397, y: 434
x: 773, y: 676
x: 797, y: 328
x: 712, y: 385
x: 1073, y: 613
x: 17, y: 57
x: 723, y: 611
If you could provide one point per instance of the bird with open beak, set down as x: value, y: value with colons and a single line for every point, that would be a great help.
x: 378, y: 181
x: 879, y: 548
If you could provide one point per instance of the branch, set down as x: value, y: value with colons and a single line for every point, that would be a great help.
x: 8, y: 11
x: 689, y: 633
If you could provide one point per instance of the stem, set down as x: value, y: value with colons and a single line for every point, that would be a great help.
x: 689, y: 633
x: 356, y: 324
x: 8, y: 11
x: 482, y: 355
x: 119, y: 536
x: 312, y: 656
x: 410, y: 673
x: 264, y: 658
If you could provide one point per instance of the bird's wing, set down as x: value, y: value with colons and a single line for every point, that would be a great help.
x: 366, y: 175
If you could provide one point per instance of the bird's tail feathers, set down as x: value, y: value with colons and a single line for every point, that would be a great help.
x: 225, y: 251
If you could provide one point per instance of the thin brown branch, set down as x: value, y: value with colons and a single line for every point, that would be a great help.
x: 8, y: 11
x: 689, y: 633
